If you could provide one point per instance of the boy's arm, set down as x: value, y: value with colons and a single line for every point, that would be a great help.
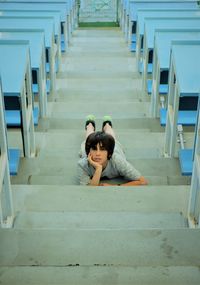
x: 96, y: 177
x: 140, y: 181
x: 97, y: 174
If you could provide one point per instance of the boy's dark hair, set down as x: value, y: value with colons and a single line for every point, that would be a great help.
x: 105, y: 140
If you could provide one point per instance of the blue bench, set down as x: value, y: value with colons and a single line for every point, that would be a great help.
x: 35, y: 87
x: 185, y: 68
x: 13, y: 117
x: 133, y: 47
x: 45, y: 25
x: 186, y: 161
x: 185, y: 118
x: 14, y: 160
x: 163, y: 88
x: 154, y: 24
x: 162, y: 46
x: 136, y: 5
x: 7, y: 167
x: 37, y: 55
x: 193, y: 205
x: 62, y: 6
x: 142, y: 14
x: 11, y: 157
x: 16, y: 87
x: 141, y: 67
x: 55, y: 16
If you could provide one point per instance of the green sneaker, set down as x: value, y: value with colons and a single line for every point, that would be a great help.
x: 90, y: 119
x: 107, y: 119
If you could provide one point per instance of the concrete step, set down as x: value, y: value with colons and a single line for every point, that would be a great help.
x: 68, y: 95
x: 140, y: 199
x: 100, y: 65
x: 80, y: 51
x: 104, y: 32
x: 88, y: 36
x: 104, y: 84
x: 105, y: 67
x: 123, y: 109
x: 112, y: 47
x: 71, y: 180
x: 53, y: 165
x: 87, y: 20
x: 98, y: 220
x: 129, y: 138
x: 38, y: 170
x: 132, y: 140
x: 137, y: 153
x: 136, y: 124
x: 98, y: 60
x: 145, y: 247
x: 86, y: 17
x: 98, y: 235
x: 86, y: 54
x: 68, y: 143
x: 96, y: 72
x: 75, y: 274
x: 95, y: 37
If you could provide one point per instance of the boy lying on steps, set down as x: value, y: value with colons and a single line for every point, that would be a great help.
x: 103, y: 157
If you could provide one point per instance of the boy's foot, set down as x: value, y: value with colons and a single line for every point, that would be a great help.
x: 106, y: 120
x: 90, y: 119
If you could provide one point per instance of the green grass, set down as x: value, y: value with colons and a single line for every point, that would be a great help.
x: 99, y: 24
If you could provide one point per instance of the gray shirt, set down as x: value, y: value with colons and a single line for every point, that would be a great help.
x: 117, y: 166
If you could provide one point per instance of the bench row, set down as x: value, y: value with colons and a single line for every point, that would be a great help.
x: 166, y: 38
x: 33, y: 36
x: 158, y: 30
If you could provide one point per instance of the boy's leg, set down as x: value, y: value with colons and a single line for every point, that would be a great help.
x: 89, y: 130
x: 109, y: 130
x: 107, y: 126
x: 90, y: 125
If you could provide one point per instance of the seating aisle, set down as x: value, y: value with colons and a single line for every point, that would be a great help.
x: 70, y: 234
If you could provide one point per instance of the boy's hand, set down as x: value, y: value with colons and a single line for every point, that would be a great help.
x: 93, y: 163
x: 141, y: 181
x: 107, y: 184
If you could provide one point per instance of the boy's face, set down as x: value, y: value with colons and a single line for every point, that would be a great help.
x: 99, y: 154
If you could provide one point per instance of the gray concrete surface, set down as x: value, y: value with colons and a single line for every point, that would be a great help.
x: 68, y: 234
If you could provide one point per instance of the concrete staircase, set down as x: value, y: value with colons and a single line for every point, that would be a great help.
x: 68, y: 234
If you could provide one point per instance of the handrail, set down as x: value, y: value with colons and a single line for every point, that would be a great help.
x: 6, y: 201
